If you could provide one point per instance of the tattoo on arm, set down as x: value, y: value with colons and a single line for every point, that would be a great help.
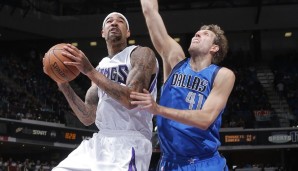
x: 143, y: 67
x: 91, y: 100
x: 143, y: 63
x: 84, y: 111
x: 73, y: 99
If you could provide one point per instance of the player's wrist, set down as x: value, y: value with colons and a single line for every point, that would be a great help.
x: 159, y: 109
x: 91, y: 73
x: 62, y: 86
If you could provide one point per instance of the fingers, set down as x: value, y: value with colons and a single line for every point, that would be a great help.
x: 133, y: 93
x: 144, y: 100
x: 71, y: 64
x: 71, y: 52
x: 146, y: 106
x: 140, y: 96
x: 141, y: 99
x: 69, y: 55
x: 71, y: 48
x: 145, y: 93
x: 74, y: 50
x: 142, y: 104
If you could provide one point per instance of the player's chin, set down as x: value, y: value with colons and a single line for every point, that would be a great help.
x: 114, y: 37
x: 192, y: 48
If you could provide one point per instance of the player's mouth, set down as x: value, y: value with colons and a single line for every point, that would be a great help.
x: 114, y: 30
x: 195, y: 41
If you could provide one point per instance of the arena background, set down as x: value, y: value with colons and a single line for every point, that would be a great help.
x: 259, y: 130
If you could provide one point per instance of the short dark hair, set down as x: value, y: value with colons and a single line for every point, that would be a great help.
x: 219, y: 40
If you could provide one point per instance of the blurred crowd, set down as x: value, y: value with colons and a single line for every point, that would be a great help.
x: 11, y: 164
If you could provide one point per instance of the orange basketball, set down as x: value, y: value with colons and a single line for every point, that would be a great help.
x: 55, y: 68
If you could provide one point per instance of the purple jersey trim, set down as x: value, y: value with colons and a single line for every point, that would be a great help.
x: 132, y: 163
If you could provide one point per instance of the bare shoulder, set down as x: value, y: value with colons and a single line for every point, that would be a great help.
x: 143, y: 55
x: 225, y: 70
x: 225, y: 74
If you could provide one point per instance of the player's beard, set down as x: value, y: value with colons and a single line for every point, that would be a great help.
x: 114, y: 37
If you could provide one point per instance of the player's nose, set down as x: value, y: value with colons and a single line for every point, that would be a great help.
x: 114, y: 23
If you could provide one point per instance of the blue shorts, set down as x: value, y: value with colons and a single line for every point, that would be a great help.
x: 213, y: 162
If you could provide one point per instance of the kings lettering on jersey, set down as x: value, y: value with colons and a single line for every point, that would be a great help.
x: 190, y: 82
x: 118, y: 73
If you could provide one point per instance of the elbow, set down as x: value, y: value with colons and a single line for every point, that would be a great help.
x: 208, y: 119
x: 146, y: 11
x: 146, y: 7
x: 87, y: 123
x: 205, y: 125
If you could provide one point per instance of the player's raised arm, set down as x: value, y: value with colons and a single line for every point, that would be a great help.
x: 170, y: 51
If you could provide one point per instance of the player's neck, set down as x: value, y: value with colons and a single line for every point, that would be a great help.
x: 114, y: 48
x: 198, y: 64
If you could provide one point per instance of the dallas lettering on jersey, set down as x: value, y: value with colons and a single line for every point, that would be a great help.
x: 118, y: 73
x: 190, y: 82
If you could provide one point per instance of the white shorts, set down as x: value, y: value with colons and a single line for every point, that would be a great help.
x: 110, y: 151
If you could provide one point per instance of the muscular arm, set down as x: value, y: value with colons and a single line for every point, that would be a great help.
x: 143, y: 63
x: 215, y: 102
x: 203, y: 118
x: 170, y: 51
x: 85, y: 111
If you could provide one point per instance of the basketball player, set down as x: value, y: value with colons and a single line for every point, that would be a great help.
x: 193, y: 98
x: 123, y: 141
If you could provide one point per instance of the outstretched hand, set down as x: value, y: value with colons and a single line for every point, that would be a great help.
x: 145, y: 101
x: 79, y: 59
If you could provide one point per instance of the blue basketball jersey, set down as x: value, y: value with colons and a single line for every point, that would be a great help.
x: 187, y: 89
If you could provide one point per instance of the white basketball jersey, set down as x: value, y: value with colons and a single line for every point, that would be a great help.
x: 110, y: 114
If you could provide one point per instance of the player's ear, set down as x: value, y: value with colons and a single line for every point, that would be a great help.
x: 102, y: 34
x: 128, y: 34
x: 214, y: 48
